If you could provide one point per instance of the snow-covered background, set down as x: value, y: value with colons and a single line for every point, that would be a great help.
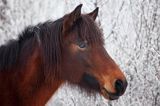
x: 132, y: 38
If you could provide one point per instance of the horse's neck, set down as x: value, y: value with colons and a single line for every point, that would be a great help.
x: 34, y: 88
x: 30, y: 86
x: 39, y: 96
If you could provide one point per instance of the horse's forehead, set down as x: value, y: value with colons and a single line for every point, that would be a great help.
x: 86, y: 29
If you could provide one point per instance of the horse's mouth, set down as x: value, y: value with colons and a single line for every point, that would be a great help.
x: 108, y: 95
x: 91, y: 82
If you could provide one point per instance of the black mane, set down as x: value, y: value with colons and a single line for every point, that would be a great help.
x: 47, y: 34
x: 9, y: 54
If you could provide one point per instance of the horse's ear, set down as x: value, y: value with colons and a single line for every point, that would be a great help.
x: 94, y: 14
x: 71, y: 18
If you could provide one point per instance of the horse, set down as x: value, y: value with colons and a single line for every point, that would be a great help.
x: 43, y: 57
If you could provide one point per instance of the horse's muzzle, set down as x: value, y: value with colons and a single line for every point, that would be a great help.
x: 120, y: 87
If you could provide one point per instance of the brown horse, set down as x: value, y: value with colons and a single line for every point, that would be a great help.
x: 44, y: 56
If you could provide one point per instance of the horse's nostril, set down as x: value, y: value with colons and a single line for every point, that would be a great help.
x: 120, y: 86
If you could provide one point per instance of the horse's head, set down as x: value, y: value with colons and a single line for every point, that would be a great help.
x: 85, y: 60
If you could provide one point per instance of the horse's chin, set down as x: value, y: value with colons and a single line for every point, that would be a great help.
x: 91, y: 83
x: 108, y: 95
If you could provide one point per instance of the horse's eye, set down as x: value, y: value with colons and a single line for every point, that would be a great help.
x: 82, y: 44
